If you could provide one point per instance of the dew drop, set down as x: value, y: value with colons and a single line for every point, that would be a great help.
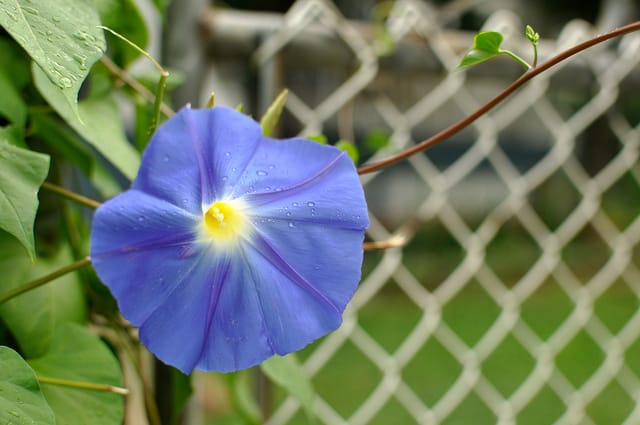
x: 14, y: 413
x: 261, y: 173
x: 271, y: 166
x: 64, y: 82
x: 56, y: 19
x: 225, y: 178
x: 80, y: 35
x: 234, y: 169
x: 227, y: 154
x: 311, y: 204
x: 288, y: 214
x: 31, y: 10
x: 267, y: 189
x: 291, y: 224
x: 12, y: 16
x: 295, y: 204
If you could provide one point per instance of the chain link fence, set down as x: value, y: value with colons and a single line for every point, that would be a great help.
x: 515, y: 298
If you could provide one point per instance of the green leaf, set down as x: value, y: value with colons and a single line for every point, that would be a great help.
x: 532, y: 35
x: 350, y: 149
x: 61, y: 36
x: 13, y: 136
x: 21, y: 174
x: 288, y: 373
x: 101, y: 125
x: 124, y: 17
x: 14, y: 62
x: 12, y: 106
x: 271, y: 117
x: 486, y: 45
x: 488, y: 41
x: 33, y: 316
x: 318, y: 138
x: 244, y: 400
x: 21, y: 401
x: 376, y: 140
x: 67, y: 143
x: 77, y: 355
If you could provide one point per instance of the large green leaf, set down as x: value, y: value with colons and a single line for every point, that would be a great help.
x: 288, y: 373
x: 21, y: 174
x: 32, y: 317
x: 21, y: 401
x: 123, y: 17
x: 61, y: 36
x: 100, y: 124
x: 77, y: 355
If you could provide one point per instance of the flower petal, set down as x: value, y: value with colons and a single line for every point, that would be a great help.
x: 282, y: 164
x: 141, y: 247
x: 196, y: 155
x: 333, y: 197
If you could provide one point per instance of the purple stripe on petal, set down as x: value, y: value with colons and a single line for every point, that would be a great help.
x: 276, y: 260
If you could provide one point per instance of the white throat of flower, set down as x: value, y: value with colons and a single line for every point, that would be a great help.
x: 224, y: 223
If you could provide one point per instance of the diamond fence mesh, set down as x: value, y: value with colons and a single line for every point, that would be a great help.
x: 515, y: 298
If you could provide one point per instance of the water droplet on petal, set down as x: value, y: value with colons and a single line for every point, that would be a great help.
x: 311, y: 204
x: 295, y: 204
x: 225, y: 178
x: 227, y: 154
x: 261, y: 173
x: 288, y: 214
x: 271, y: 166
x: 291, y: 224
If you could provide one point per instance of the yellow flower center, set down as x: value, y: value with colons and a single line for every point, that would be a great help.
x: 223, y: 221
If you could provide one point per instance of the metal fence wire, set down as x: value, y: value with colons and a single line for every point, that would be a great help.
x: 515, y: 298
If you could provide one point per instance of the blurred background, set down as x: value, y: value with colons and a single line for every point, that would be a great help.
x: 515, y: 297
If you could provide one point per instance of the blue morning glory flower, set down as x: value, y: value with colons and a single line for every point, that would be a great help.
x: 231, y: 247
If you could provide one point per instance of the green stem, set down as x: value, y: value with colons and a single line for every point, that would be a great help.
x: 164, y: 74
x: 44, y: 279
x: 535, y: 54
x: 162, y: 84
x: 516, y: 58
x: 83, y: 385
x: 71, y: 195
x: 134, y: 84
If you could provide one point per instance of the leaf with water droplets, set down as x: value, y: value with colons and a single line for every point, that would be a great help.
x: 21, y: 401
x: 52, y: 32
